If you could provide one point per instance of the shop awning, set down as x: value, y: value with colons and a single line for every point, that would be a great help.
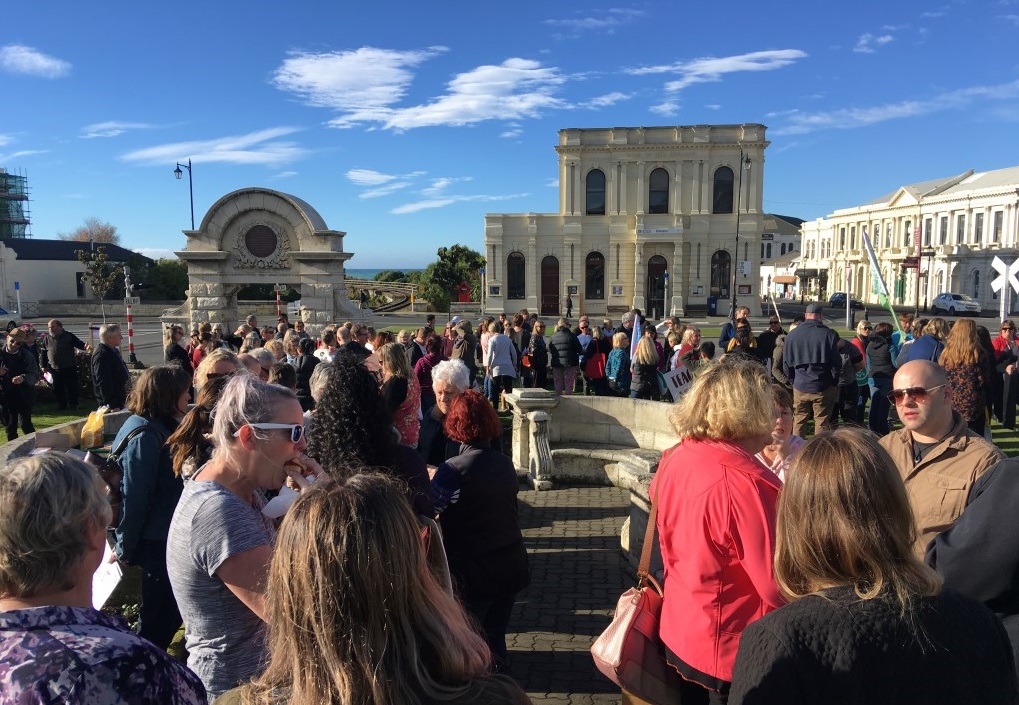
x: 785, y: 279
x: 806, y: 273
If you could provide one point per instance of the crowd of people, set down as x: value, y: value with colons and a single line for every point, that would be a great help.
x: 336, y: 520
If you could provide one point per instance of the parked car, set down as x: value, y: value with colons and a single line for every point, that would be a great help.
x: 953, y: 304
x: 9, y: 319
x: 838, y: 300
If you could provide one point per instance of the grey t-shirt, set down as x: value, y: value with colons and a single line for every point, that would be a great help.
x: 225, y: 640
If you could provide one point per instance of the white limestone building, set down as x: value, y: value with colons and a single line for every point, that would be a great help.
x: 930, y: 237
x: 647, y: 218
x: 780, y: 240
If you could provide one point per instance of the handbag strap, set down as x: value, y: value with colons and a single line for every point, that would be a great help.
x: 649, y: 533
x: 136, y: 431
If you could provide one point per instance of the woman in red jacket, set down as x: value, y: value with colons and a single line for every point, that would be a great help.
x: 716, y: 524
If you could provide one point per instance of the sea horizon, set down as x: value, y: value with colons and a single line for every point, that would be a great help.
x: 371, y: 273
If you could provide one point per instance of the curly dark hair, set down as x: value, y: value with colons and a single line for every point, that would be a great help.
x: 351, y: 426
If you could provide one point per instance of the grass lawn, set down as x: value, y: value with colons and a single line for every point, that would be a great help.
x: 46, y: 413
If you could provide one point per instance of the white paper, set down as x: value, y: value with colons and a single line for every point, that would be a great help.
x: 105, y: 579
x: 279, y: 504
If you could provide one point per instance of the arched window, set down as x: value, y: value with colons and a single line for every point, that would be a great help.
x: 769, y: 251
x: 976, y: 284
x: 515, y: 276
x: 658, y: 191
x: 782, y: 248
x: 720, y: 275
x: 722, y: 194
x: 596, y: 192
x: 594, y: 276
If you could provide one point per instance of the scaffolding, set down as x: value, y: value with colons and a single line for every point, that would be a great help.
x: 15, y: 216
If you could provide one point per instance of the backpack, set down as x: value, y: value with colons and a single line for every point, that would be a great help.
x: 847, y: 375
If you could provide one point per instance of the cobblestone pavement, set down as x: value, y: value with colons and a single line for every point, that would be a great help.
x: 577, y: 575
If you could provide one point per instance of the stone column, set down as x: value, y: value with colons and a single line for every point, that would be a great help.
x: 638, y: 265
x: 523, y: 402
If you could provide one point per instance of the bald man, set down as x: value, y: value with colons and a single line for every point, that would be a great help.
x: 937, y: 455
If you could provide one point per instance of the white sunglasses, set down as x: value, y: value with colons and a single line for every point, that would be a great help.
x: 296, y: 429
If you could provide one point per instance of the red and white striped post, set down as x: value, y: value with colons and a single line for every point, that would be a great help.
x: 279, y: 300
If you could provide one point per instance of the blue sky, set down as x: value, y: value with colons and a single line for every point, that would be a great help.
x: 403, y: 123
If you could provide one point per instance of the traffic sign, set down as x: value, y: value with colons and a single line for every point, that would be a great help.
x: 17, y: 286
x: 132, y: 300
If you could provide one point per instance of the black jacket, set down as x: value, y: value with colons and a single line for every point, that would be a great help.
x: 879, y: 357
x: 59, y: 353
x: 837, y: 648
x: 564, y: 349
x: 110, y: 377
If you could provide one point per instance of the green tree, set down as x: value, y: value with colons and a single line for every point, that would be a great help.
x: 165, y: 280
x: 390, y: 275
x: 100, y: 275
x: 455, y: 264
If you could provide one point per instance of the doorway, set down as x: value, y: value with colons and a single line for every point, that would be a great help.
x: 550, y: 286
x: 655, y: 286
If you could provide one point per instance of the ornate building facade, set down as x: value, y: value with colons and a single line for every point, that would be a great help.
x: 930, y: 237
x: 648, y: 218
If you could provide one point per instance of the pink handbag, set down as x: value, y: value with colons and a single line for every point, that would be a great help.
x: 630, y: 652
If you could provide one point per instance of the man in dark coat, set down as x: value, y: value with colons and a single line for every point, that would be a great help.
x: 110, y: 378
x: 60, y: 359
x: 19, y: 373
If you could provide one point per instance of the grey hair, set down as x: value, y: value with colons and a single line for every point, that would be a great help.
x: 320, y: 380
x: 48, y: 505
x: 108, y: 329
x: 628, y: 317
x: 246, y: 399
x: 265, y: 357
x: 453, y: 373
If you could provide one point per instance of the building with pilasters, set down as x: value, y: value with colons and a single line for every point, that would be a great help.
x: 931, y: 237
x: 648, y: 218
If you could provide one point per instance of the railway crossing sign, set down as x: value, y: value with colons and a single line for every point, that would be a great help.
x: 1006, y: 275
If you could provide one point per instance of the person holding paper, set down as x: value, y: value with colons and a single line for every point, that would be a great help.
x: 220, y: 542
x: 54, y: 644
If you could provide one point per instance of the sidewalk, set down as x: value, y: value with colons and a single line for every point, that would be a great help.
x: 577, y: 575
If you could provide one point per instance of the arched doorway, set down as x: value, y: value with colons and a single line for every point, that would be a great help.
x: 550, y: 286
x: 720, y: 274
x: 655, y: 286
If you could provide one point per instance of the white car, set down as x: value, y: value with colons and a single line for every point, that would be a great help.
x: 9, y: 319
x: 953, y: 304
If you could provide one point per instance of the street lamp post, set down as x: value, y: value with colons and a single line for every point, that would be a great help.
x: 191, y: 187
x: 744, y: 163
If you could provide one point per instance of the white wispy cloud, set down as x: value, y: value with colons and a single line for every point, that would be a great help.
x: 604, y: 101
x: 365, y: 79
x: 867, y: 42
x: 713, y: 106
x: 712, y: 69
x: 933, y: 14
x: 450, y: 200
x: 16, y: 58
x: 365, y: 87
x: 260, y: 147
x: 111, y: 128
x: 669, y: 107
x: 368, y: 177
x: 849, y: 118
x: 606, y: 22
x: 22, y: 153
x: 552, y: 183
x: 5, y: 139
x: 384, y: 190
x: 284, y: 175
x: 1014, y: 19
x: 511, y: 133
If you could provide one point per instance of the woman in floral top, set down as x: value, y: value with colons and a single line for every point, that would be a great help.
x: 54, y: 647
x: 968, y: 368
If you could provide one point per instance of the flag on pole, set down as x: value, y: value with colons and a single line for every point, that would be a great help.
x: 877, y: 281
x: 638, y: 326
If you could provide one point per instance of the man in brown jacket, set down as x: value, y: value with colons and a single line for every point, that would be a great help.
x: 937, y: 455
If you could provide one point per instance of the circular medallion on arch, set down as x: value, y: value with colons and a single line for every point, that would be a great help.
x: 261, y: 241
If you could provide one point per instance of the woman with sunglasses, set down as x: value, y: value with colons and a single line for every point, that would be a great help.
x: 1007, y: 349
x: 220, y: 542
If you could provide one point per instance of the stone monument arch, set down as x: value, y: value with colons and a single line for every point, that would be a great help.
x: 261, y: 236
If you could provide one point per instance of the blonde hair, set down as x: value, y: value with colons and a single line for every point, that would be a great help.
x: 962, y: 346
x: 275, y: 346
x: 729, y: 401
x: 393, y: 357
x: 844, y: 519
x: 355, y: 613
x: 620, y: 340
x: 689, y: 334
x: 936, y: 327
x: 48, y: 505
x: 209, y: 362
x: 169, y: 330
x: 646, y: 352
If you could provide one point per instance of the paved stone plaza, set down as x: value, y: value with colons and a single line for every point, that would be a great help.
x: 577, y: 575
